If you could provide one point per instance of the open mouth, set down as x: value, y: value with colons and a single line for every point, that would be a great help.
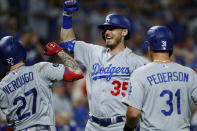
x: 108, y: 38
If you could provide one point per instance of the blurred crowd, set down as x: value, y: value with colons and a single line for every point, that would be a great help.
x: 37, y: 22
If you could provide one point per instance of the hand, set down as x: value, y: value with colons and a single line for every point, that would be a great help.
x: 70, y: 6
x: 52, y: 49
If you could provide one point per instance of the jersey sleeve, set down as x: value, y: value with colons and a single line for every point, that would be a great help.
x: 3, y: 100
x: 142, y: 61
x: 83, y: 52
x: 194, y: 89
x: 137, y: 61
x: 51, y: 71
x: 135, y: 93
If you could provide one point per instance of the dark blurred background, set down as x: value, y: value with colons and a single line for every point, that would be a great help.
x: 37, y: 22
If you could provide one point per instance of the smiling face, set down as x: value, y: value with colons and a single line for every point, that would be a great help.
x: 114, y: 36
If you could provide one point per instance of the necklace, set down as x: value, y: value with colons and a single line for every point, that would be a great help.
x: 162, y: 61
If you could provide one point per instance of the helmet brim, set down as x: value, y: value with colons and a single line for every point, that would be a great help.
x: 104, y: 26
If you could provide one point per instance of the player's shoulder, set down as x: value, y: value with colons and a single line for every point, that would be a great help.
x: 185, y: 68
x: 132, y: 56
x: 47, y: 66
x: 88, y: 44
x: 44, y: 65
x: 2, y: 81
x: 151, y: 65
x: 5, y: 80
x: 40, y: 64
x: 144, y: 68
x: 89, y: 47
x: 2, y: 93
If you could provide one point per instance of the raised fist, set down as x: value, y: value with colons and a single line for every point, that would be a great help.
x: 70, y: 6
x: 52, y: 49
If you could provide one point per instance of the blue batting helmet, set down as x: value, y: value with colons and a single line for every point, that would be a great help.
x: 160, y: 38
x: 11, y: 51
x: 116, y: 20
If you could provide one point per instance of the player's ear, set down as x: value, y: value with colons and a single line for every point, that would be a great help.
x: 124, y: 32
x: 150, y: 51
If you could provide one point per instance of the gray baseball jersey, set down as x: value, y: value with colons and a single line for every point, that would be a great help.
x: 107, y: 77
x: 165, y: 94
x: 25, y: 96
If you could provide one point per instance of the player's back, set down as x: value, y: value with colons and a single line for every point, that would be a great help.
x: 27, y: 97
x: 167, y: 101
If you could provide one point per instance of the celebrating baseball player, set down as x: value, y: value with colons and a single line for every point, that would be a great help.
x: 25, y: 96
x: 161, y: 94
x: 108, y: 68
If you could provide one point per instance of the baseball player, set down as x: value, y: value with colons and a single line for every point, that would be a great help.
x: 161, y: 94
x: 25, y: 96
x: 108, y: 68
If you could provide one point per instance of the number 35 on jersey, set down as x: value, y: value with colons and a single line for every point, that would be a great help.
x: 119, y: 88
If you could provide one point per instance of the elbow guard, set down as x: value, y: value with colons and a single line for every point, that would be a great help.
x: 71, y: 76
x: 68, y: 46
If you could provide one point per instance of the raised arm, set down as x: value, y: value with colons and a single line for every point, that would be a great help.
x: 72, y: 69
x: 67, y: 33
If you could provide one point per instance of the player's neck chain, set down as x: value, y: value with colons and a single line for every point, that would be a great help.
x: 161, y: 61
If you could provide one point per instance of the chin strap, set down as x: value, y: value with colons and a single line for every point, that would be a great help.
x: 71, y: 76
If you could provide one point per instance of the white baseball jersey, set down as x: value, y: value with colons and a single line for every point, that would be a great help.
x: 165, y: 94
x: 107, y: 77
x: 25, y: 96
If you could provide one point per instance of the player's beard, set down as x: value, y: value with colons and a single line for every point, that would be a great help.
x: 112, y: 44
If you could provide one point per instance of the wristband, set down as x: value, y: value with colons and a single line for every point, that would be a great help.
x: 68, y: 46
x: 67, y: 22
x: 71, y: 76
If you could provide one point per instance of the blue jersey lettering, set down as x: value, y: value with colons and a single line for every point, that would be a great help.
x: 167, y: 77
x: 18, y: 82
x: 108, y: 72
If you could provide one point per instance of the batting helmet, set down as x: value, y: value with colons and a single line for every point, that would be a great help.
x: 116, y: 20
x: 160, y: 38
x: 11, y: 51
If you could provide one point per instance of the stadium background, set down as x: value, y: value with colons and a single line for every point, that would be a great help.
x: 37, y: 22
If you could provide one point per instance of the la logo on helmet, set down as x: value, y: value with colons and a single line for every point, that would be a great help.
x: 10, y: 61
x: 107, y: 20
x: 164, y: 44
